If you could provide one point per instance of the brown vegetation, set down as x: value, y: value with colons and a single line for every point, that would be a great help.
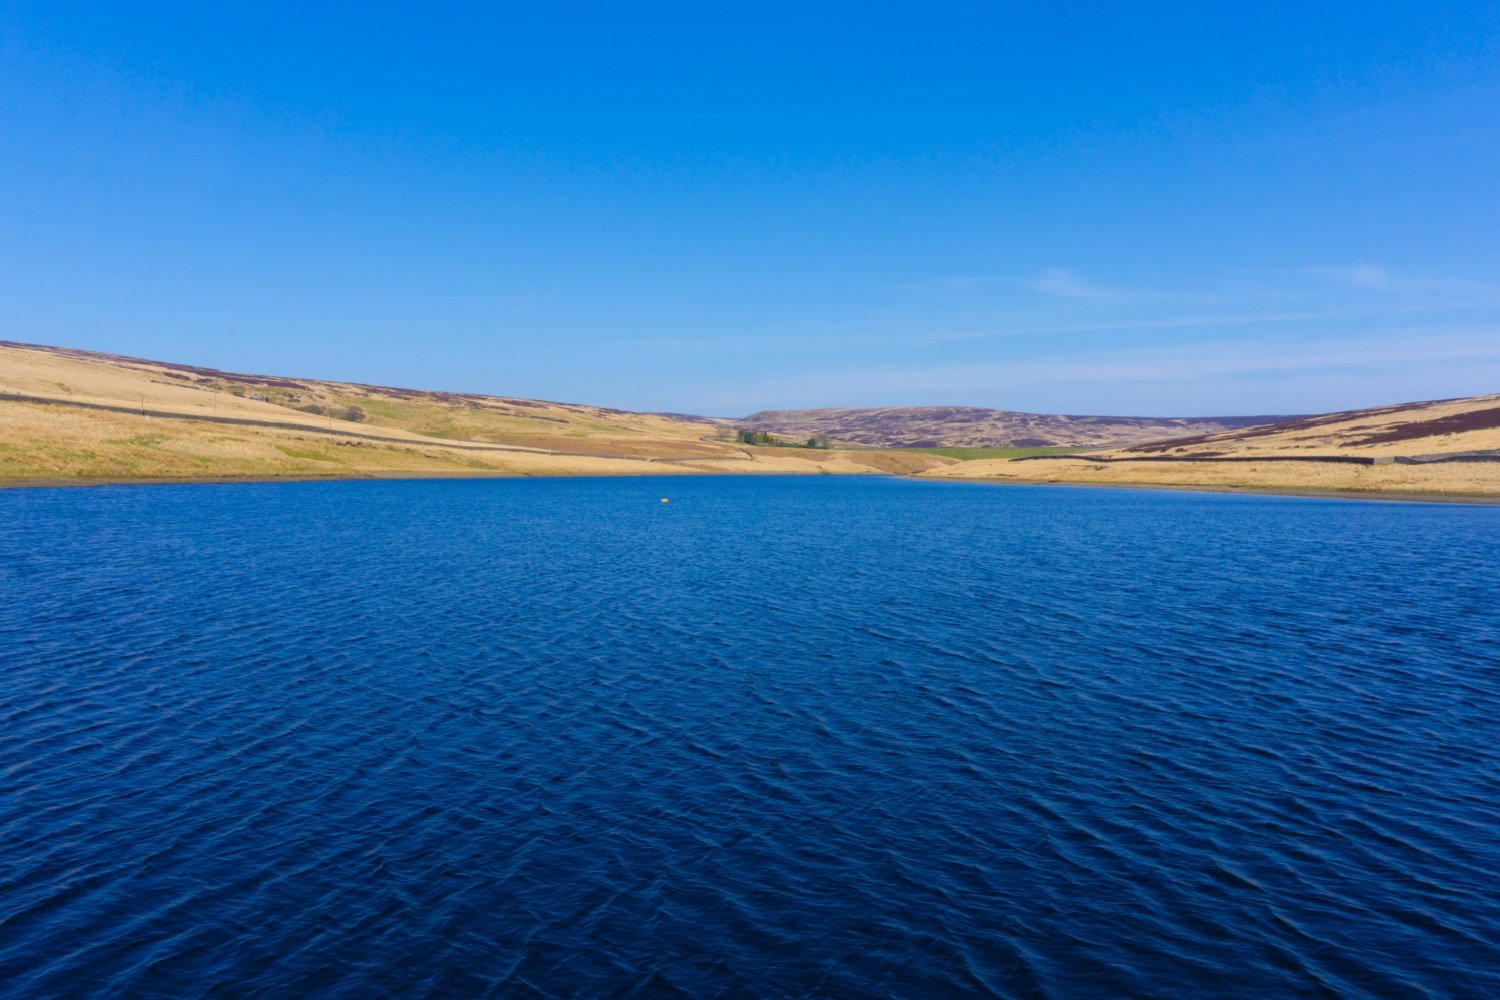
x: 1442, y: 448
x: 68, y: 415
x: 975, y: 427
x: 76, y: 416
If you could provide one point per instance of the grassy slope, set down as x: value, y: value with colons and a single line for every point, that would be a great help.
x: 402, y: 432
x: 435, y: 434
x: 970, y: 454
x: 1415, y: 429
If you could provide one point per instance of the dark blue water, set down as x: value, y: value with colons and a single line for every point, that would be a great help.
x: 778, y: 737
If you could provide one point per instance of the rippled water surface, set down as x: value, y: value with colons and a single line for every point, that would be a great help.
x: 778, y: 737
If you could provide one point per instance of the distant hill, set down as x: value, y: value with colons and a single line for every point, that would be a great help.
x: 68, y: 415
x: 976, y: 427
x: 1433, y: 427
x: 1438, y: 449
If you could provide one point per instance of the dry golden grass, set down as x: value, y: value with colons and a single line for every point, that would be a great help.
x: 56, y: 443
x: 1433, y: 428
x: 1438, y: 481
x: 407, y: 433
x: 85, y: 377
x: 402, y: 433
x: 1429, y: 428
x: 802, y: 460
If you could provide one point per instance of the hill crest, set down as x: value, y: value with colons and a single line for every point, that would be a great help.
x: 979, y: 427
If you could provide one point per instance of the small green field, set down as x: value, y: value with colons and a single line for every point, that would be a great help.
x: 967, y: 454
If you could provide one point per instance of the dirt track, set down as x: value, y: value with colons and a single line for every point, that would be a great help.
x: 16, y: 397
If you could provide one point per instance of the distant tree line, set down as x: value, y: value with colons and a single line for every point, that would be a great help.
x: 762, y: 438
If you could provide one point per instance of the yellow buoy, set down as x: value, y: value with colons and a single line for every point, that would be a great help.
x: 663, y: 499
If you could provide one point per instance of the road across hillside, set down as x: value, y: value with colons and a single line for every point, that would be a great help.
x: 16, y: 397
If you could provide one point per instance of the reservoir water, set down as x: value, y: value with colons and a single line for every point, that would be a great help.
x: 779, y: 737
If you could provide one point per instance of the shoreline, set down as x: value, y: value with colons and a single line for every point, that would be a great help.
x: 1473, y: 499
x: 1388, y: 496
x: 98, y: 481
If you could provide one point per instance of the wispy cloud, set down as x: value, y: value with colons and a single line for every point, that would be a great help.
x: 1126, y: 325
x: 1378, y: 278
x: 1066, y: 284
x: 1470, y: 351
x: 1057, y: 282
x: 854, y: 337
x: 1062, y: 283
x: 1371, y: 276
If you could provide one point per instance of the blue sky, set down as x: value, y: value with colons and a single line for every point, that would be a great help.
x: 1143, y: 208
